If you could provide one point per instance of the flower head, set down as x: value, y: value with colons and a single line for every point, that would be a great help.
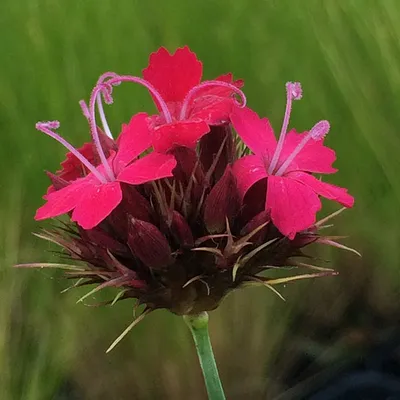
x: 177, y: 222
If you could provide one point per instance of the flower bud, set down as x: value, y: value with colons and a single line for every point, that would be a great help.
x: 181, y: 230
x: 149, y: 245
x: 222, y: 203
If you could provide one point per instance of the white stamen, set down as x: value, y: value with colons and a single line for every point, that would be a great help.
x: 103, y: 118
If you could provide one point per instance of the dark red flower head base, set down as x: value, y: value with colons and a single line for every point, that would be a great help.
x: 177, y: 212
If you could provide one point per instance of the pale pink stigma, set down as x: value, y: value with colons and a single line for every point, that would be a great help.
x: 46, y: 127
x: 317, y: 132
x: 293, y: 92
x: 85, y: 109
x: 188, y: 97
x: 320, y: 130
x: 296, y: 91
x: 97, y: 92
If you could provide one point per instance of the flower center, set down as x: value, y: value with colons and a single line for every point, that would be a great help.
x: 293, y: 92
x: 191, y: 93
x: 103, y: 90
x: 317, y: 132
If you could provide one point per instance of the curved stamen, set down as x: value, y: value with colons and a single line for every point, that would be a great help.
x: 106, y: 75
x: 192, y: 91
x: 317, y: 132
x: 107, y: 99
x: 105, y: 88
x: 46, y: 127
x: 293, y: 92
x: 128, y: 78
x: 97, y: 91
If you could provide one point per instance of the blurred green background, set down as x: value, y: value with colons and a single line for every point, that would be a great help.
x: 346, y: 54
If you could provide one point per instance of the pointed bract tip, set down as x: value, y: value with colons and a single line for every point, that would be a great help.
x: 294, y: 88
x: 320, y: 130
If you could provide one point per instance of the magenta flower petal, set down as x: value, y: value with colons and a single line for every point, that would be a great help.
x: 248, y: 170
x: 96, y: 203
x: 314, y: 157
x: 149, y: 168
x: 214, y: 110
x: 134, y: 139
x: 293, y: 205
x: 214, y: 104
x: 255, y: 132
x: 221, y: 91
x: 62, y: 201
x: 173, y: 75
x: 185, y: 133
x: 327, y: 190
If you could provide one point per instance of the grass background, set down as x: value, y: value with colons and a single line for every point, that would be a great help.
x: 346, y: 53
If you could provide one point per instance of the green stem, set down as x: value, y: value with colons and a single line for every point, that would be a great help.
x: 198, y: 325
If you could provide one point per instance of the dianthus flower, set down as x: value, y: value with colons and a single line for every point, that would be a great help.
x: 175, y: 212
x: 292, y: 192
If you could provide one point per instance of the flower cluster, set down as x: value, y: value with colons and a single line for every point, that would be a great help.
x: 179, y: 209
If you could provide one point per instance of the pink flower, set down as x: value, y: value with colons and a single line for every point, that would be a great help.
x: 292, y: 191
x: 177, y: 77
x: 93, y: 197
x: 188, y: 107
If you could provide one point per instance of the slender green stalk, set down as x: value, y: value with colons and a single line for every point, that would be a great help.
x: 198, y: 325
